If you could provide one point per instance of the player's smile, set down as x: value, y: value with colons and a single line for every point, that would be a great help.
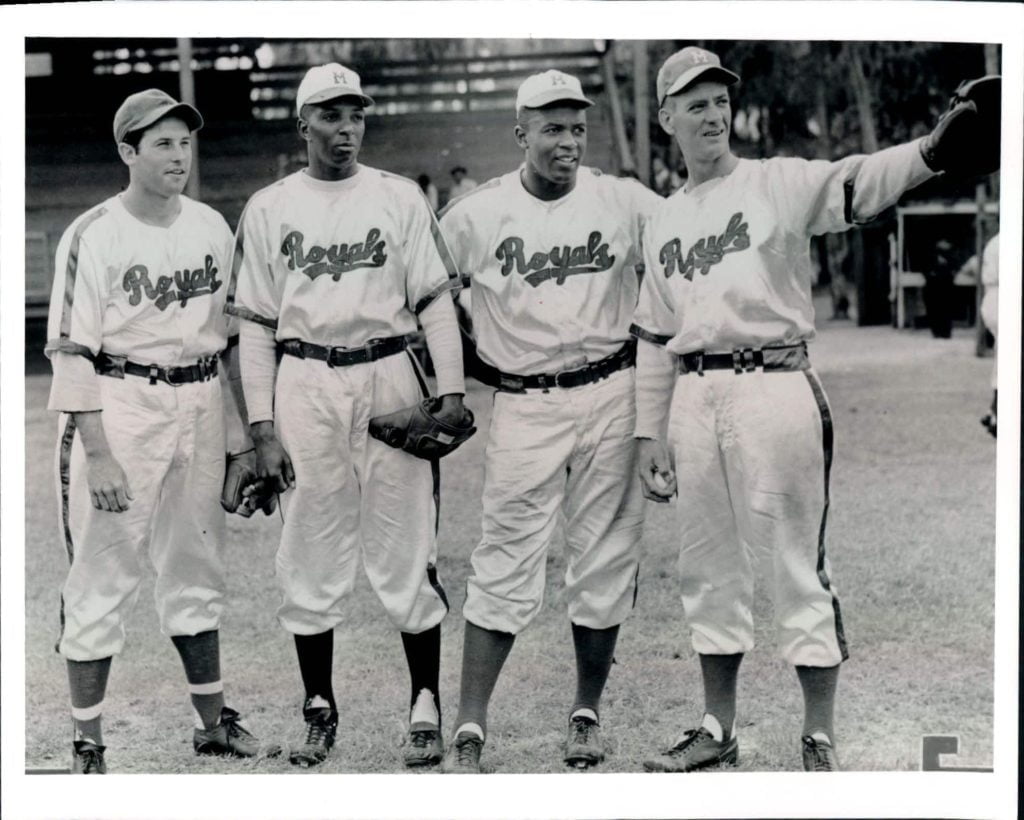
x: 555, y: 140
x: 164, y: 157
x: 699, y: 117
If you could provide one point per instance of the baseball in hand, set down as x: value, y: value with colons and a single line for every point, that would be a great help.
x: 660, y: 484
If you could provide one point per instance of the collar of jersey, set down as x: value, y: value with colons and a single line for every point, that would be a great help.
x: 550, y: 204
x: 184, y: 200
x: 331, y: 184
x: 714, y: 182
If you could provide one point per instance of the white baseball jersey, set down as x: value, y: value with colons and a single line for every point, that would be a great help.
x: 554, y: 286
x: 338, y: 263
x: 728, y: 263
x: 553, y: 282
x: 728, y: 267
x: 156, y: 296
x: 153, y: 294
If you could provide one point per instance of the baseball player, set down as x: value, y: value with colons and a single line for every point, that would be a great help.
x: 990, y: 316
x: 136, y: 325
x: 333, y: 266
x: 723, y: 323
x: 551, y: 251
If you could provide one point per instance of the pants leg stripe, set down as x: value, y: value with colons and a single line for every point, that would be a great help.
x: 827, y: 444
x: 436, y: 584
x: 66, y: 440
x: 435, y: 469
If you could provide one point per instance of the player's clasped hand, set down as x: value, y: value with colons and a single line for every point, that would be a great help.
x: 657, y: 478
x: 108, y: 484
x: 272, y: 462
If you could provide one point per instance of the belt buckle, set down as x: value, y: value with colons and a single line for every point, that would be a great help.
x: 556, y: 379
x: 168, y: 378
x: 336, y: 351
x: 510, y: 384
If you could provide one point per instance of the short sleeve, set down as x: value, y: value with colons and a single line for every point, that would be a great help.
x: 253, y: 294
x: 431, y: 269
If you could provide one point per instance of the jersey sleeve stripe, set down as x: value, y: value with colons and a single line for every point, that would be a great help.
x: 250, y: 315
x: 848, y: 201
x: 648, y: 336
x: 71, y: 272
x: 491, y: 183
x: 65, y: 345
x: 442, y: 249
x: 236, y: 262
x: 451, y: 284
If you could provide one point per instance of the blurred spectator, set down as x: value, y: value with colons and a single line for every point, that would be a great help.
x: 990, y: 316
x: 429, y: 191
x: 661, y: 176
x: 938, y: 290
x: 462, y: 183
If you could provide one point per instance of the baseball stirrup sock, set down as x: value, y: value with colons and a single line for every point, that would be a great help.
x: 207, y: 701
x: 423, y: 655
x: 87, y: 681
x: 200, y: 656
x: 424, y: 711
x: 472, y: 728
x: 595, y: 653
x: 484, y: 652
x: 316, y: 660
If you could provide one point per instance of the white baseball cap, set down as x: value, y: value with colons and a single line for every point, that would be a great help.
x: 328, y: 82
x: 547, y: 87
x: 687, y: 66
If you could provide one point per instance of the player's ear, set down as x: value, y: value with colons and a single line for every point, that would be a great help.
x: 302, y: 127
x: 520, y: 133
x: 127, y: 153
x: 665, y: 118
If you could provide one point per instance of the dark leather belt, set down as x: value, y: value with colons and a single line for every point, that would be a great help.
x: 116, y: 367
x: 622, y: 359
x: 746, y: 360
x: 346, y: 356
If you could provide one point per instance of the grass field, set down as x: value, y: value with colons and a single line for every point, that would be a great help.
x: 911, y: 540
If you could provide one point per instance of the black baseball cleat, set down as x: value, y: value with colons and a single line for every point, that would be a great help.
x: 228, y: 737
x: 696, y: 749
x: 87, y: 758
x: 321, y: 727
x: 583, y: 745
x: 819, y: 755
x: 463, y: 756
x: 425, y: 747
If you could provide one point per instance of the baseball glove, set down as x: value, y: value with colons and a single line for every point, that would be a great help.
x: 418, y: 431
x: 965, y: 142
x: 243, y: 493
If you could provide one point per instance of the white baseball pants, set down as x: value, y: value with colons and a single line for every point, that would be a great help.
x: 354, y: 497
x: 752, y: 459
x: 563, y: 457
x: 170, y: 443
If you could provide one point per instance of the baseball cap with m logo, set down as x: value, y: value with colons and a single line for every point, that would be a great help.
x: 548, y: 87
x: 685, y: 67
x: 328, y: 82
